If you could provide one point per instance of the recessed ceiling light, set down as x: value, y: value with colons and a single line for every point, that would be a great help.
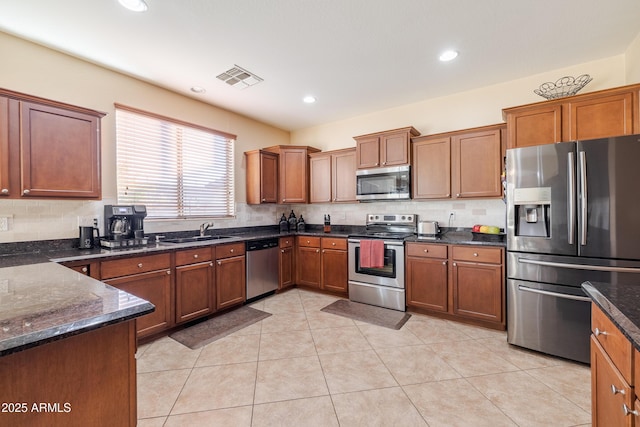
x: 134, y: 5
x: 309, y: 99
x: 448, y: 55
x: 198, y: 89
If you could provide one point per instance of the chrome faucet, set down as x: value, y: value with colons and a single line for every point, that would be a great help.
x: 204, y: 227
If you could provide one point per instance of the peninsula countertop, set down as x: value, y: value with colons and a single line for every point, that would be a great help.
x: 620, y: 305
x: 40, y: 303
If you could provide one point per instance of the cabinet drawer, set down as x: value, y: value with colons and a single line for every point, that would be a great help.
x: 308, y: 241
x: 616, y: 345
x: 286, y: 242
x: 475, y: 254
x: 135, y: 265
x: 334, y: 243
x: 192, y: 256
x: 229, y: 250
x: 426, y: 251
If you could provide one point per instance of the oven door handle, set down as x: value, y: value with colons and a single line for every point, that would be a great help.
x: 386, y: 242
x: 554, y: 294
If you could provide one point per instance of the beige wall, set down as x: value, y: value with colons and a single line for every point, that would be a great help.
x: 632, y: 64
x: 39, y: 71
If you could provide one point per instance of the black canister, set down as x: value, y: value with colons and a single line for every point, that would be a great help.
x: 292, y: 221
x: 284, y: 224
x: 301, y: 224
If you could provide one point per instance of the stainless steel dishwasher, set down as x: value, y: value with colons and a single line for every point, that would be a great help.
x: 262, y: 267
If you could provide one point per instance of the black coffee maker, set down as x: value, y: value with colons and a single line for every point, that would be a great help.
x: 124, y: 226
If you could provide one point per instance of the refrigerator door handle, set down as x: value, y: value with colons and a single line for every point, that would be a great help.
x: 571, y: 212
x: 554, y: 294
x: 583, y: 198
x: 580, y: 266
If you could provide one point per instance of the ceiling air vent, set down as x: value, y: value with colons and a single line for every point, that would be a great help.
x: 239, y: 77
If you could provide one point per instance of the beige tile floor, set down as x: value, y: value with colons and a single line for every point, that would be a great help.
x: 304, y: 367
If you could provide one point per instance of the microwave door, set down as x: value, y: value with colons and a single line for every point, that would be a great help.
x: 609, y: 200
x: 541, y: 199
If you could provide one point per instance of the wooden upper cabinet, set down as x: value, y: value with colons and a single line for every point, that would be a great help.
x: 600, y: 117
x: 535, y: 126
x: 262, y: 177
x: 460, y: 164
x: 293, y: 172
x: 476, y: 164
x: 53, y: 149
x: 431, y: 171
x: 333, y: 176
x: 383, y: 149
x: 601, y: 114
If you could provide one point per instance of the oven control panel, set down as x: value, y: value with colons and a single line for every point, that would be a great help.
x: 394, y: 219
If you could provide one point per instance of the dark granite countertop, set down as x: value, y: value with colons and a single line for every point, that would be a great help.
x: 462, y: 237
x: 620, y: 304
x: 45, y: 302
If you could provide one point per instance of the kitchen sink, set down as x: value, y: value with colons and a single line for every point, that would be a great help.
x: 194, y: 239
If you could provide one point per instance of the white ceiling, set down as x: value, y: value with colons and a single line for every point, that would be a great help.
x: 355, y: 56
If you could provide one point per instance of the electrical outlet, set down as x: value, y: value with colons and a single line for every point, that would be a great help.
x: 452, y: 215
x: 4, y: 223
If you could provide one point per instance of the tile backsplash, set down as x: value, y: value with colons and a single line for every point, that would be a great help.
x: 46, y: 220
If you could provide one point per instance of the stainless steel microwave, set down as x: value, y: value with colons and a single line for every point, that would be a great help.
x: 392, y: 183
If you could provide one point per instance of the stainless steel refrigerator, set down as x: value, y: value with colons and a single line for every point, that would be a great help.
x: 573, y: 214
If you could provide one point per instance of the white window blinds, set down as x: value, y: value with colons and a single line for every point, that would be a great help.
x: 176, y: 169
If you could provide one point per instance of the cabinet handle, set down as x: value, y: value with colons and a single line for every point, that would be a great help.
x: 615, y: 390
x: 282, y: 250
x: 384, y: 163
x: 219, y: 262
x: 317, y: 250
x: 140, y: 265
x: 475, y: 254
x: 455, y: 264
x: 444, y: 263
x: 168, y: 271
x: 425, y: 250
x: 284, y: 200
x: 597, y: 332
x: 231, y: 250
x: 210, y: 264
x: 333, y: 244
x: 85, y: 269
x: 629, y: 411
x: 195, y: 255
x: 457, y: 194
x: 25, y: 191
x: 264, y: 200
x: 308, y: 242
x: 5, y: 191
x: 323, y: 251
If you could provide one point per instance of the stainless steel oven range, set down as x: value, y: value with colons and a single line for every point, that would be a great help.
x: 376, y: 260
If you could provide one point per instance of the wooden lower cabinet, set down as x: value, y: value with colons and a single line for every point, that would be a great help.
x: 308, y: 261
x: 461, y: 282
x: 334, y: 262
x: 231, y: 279
x: 195, y: 284
x: 90, y: 376
x: 426, y: 276
x: 148, y: 277
x: 88, y: 268
x: 286, y: 259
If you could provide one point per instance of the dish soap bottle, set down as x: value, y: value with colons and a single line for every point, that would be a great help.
x: 284, y: 224
x: 292, y: 221
x: 301, y: 224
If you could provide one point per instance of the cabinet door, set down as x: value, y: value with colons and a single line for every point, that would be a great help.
x: 194, y: 291
x: 4, y: 147
x: 230, y: 281
x: 431, y: 172
x: 334, y: 270
x: 60, y: 152
x: 610, y: 391
x: 394, y: 149
x: 320, y: 179
x: 427, y: 283
x: 154, y: 287
x: 601, y: 117
x: 478, y: 291
x: 344, y: 176
x: 476, y: 164
x: 308, y: 264
x: 368, y: 152
x: 293, y: 175
x: 535, y: 126
x: 268, y: 178
x: 286, y: 267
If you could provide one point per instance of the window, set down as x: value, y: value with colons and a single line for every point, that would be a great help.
x: 176, y: 169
